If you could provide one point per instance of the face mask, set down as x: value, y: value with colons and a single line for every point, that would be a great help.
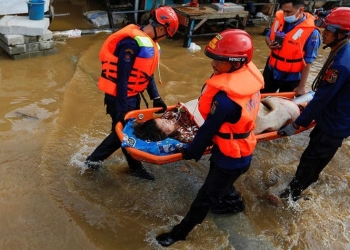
x: 291, y: 19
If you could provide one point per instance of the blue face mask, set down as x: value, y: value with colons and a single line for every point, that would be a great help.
x: 291, y: 19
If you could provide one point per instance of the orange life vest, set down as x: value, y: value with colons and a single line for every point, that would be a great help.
x: 242, y: 86
x: 290, y: 58
x: 144, y: 65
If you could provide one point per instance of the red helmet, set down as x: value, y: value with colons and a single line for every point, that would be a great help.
x: 337, y: 20
x: 233, y: 45
x: 166, y: 16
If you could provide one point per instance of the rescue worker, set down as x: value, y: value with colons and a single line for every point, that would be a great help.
x: 229, y: 103
x: 330, y: 107
x: 294, y: 42
x: 129, y: 58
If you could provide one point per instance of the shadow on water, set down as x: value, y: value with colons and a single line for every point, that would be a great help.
x: 52, y: 117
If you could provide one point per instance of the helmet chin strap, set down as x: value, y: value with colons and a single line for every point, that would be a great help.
x: 155, y: 33
x: 336, y: 41
x: 156, y: 37
x: 234, y: 69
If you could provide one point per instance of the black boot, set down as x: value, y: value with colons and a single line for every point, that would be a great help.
x: 288, y: 192
x: 229, y: 204
x: 92, y: 163
x: 293, y: 190
x: 167, y: 239
x: 142, y: 173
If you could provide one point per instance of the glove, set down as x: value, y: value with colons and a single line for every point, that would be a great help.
x: 185, y: 154
x: 120, y: 117
x: 159, y: 103
x: 287, y: 130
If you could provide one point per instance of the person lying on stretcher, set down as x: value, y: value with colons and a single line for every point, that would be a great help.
x: 182, y: 124
x: 177, y: 123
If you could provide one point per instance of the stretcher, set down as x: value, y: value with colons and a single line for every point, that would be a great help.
x: 150, y: 113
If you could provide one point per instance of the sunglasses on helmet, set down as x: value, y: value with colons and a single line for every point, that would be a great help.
x: 155, y: 24
x: 321, y: 23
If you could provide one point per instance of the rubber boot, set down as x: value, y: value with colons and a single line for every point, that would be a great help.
x: 92, y: 163
x: 142, y: 173
x: 136, y: 167
x: 176, y: 234
x: 231, y: 203
x: 293, y: 191
x: 167, y: 239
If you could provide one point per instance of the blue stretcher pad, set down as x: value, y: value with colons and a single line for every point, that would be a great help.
x: 165, y: 147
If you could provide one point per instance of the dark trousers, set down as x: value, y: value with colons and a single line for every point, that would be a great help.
x: 314, y: 159
x: 218, y: 184
x: 282, y: 86
x: 112, y: 143
x: 271, y: 85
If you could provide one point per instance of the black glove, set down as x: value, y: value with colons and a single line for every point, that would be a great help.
x: 159, y: 103
x: 185, y: 154
x: 287, y: 130
x: 120, y: 117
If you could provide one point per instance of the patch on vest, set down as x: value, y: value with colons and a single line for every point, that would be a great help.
x: 128, y: 53
x: 213, y: 107
x: 331, y: 75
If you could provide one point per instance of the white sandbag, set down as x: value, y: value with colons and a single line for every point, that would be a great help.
x: 194, y: 48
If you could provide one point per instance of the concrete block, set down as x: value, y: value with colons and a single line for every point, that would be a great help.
x: 12, y: 50
x: 27, y: 55
x: 50, y: 51
x: 36, y: 53
x: 17, y: 39
x: 47, y: 36
x: 31, y: 47
x: 12, y: 39
x: 30, y: 39
x: 4, y: 28
x: 21, y: 25
x: 44, y: 45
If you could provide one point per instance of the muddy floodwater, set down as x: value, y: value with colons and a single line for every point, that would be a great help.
x: 52, y: 117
